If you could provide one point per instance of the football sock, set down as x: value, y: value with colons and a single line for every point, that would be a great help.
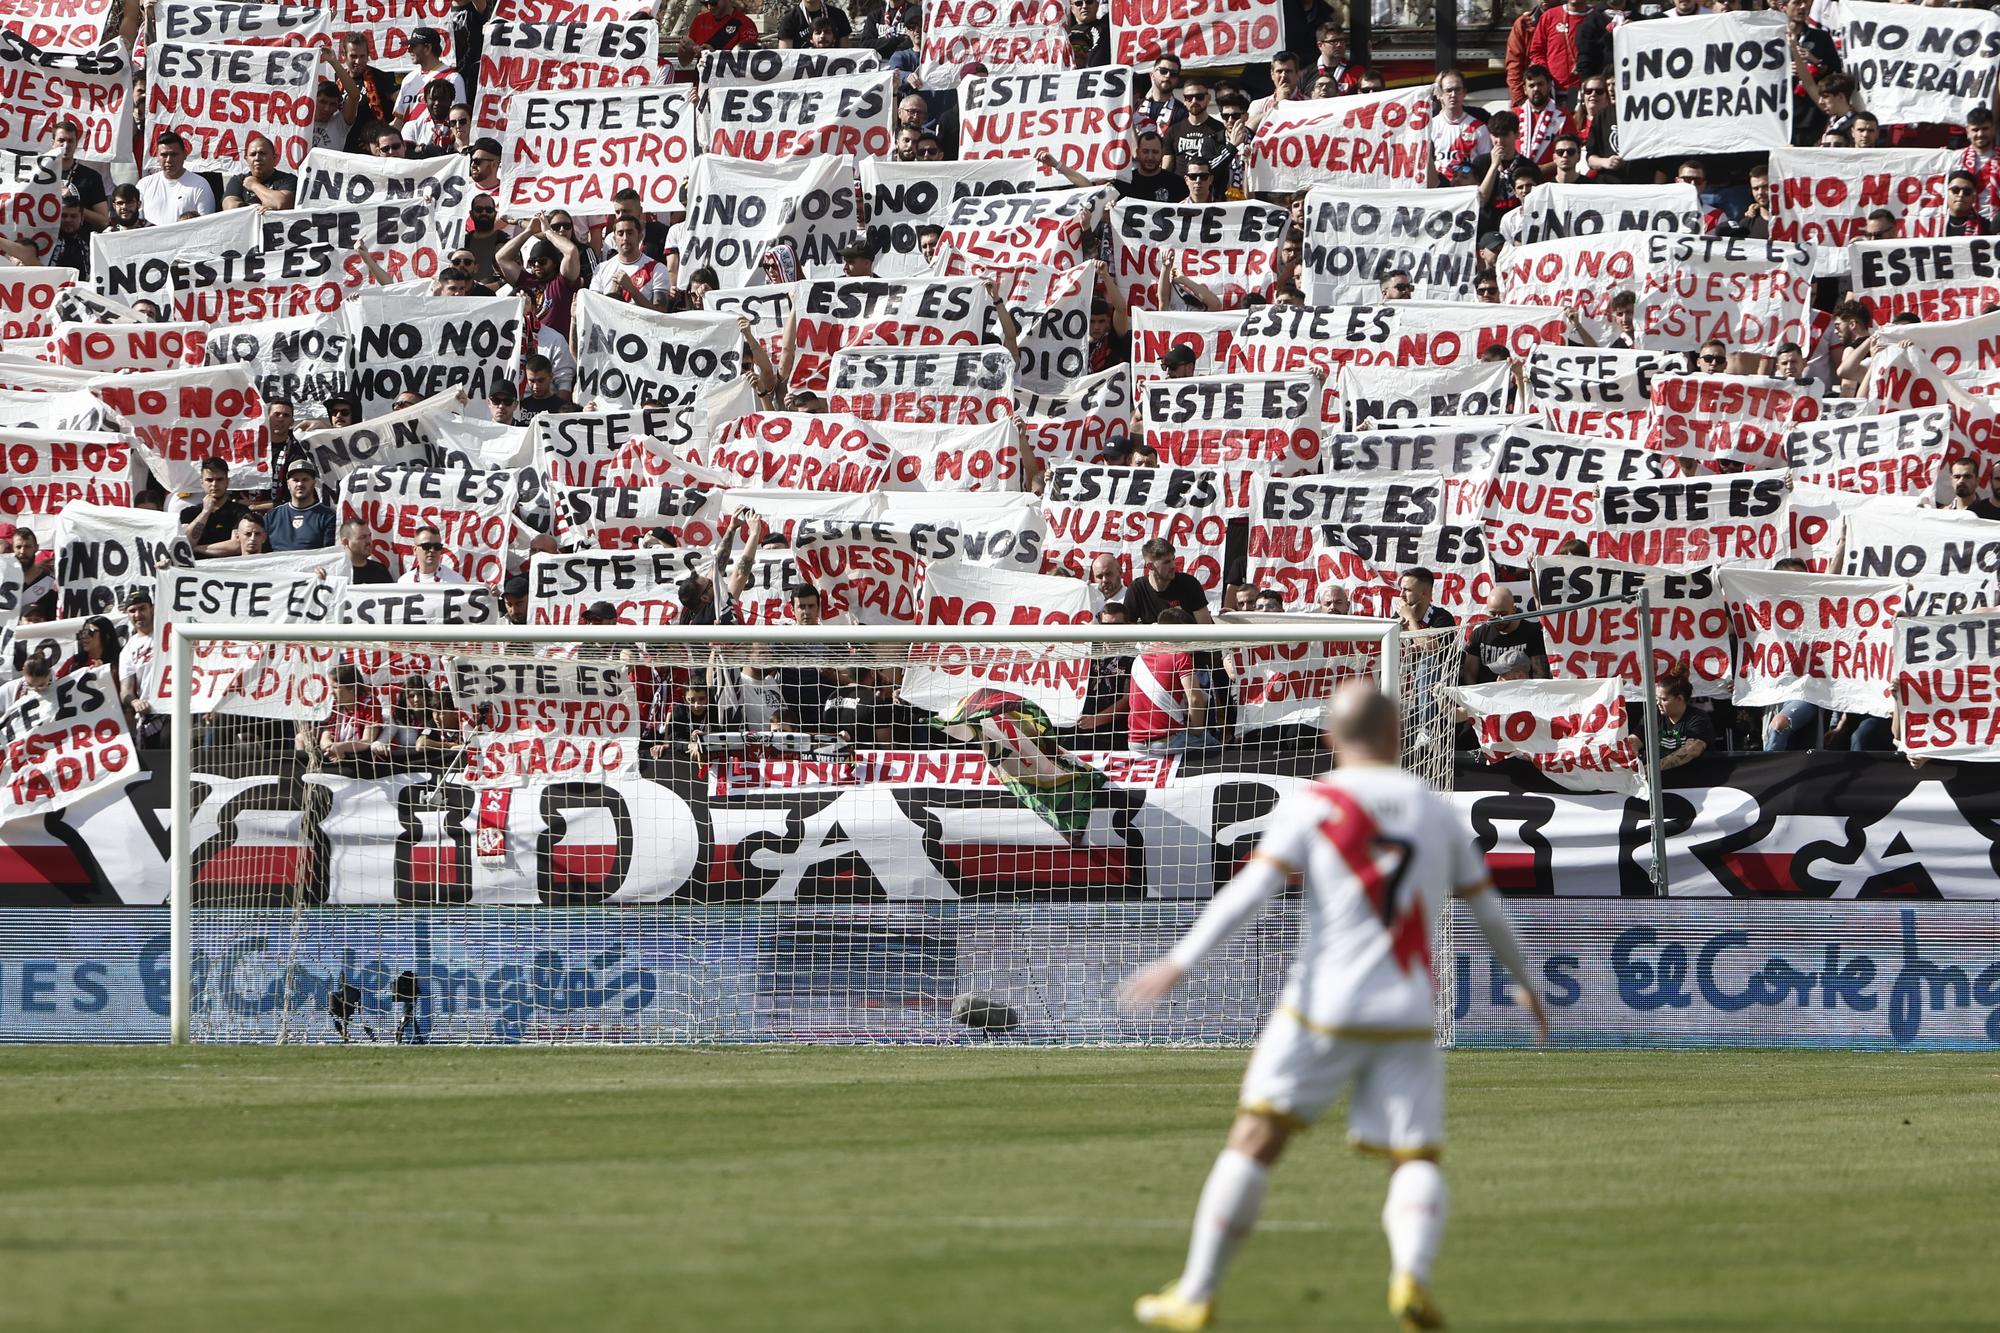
x: 1413, y: 1216
x: 1222, y: 1220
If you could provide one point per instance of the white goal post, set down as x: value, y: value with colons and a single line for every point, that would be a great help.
x: 1398, y: 660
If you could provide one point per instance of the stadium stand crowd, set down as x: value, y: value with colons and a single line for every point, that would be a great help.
x: 1184, y: 221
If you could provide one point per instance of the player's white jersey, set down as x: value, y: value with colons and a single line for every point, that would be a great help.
x: 1381, y: 854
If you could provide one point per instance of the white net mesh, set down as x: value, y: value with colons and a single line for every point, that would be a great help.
x: 521, y: 841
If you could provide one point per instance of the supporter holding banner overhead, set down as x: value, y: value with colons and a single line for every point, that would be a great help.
x: 913, y: 385
x: 903, y: 197
x: 833, y: 313
x: 535, y: 719
x: 103, y: 552
x: 1708, y: 83
x: 576, y: 149
x: 1678, y: 522
x: 1823, y: 196
x: 531, y: 57
x: 1751, y: 295
x: 1083, y: 117
x: 1356, y: 238
x: 425, y: 344
x: 1555, y: 211
x: 756, y: 64
x: 1581, y: 274
x: 1934, y: 280
x: 1896, y: 453
x: 1094, y: 510
x: 1574, y: 731
x: 1230, y: 249
x: 1544, y: 490
x: 627, y: 355
x: 46, y: 87
x: 1201, y: 34
x: 218, y: 97
x: 47, y: 473
x: 1234, y: 427
x: 65, y: 742
x: 1918, y: 64
x: 995, y: 34
x: 853, y: 115
x: 1741, y: 418
x: 1819, y: 638
x: 1373, y: 141
x: 471, y: 512
x: 1055, y: 677
x: 387, y: 25
x: 1946, y: 688
x: 1690, y: 623
x: 1587, y: 391
x: 738, y: 212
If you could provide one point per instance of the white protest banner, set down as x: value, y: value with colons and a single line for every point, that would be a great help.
x: 413, y: 436
x: 517, y: 57
x: 757, y: 64
x: 44, y: 88
x: 1708, y: 83
x: 1361, y: 531
x: 1946, y: 687
x: 621, y: 518
x: 572, y: 11
x: 799, y: 451
x: 1742, y: 418
x: 832, y: 313
x: 1282, y: 339
x: 1751, y: 294
x: 1082, y: 116
x: 112, y: 348
x: 1288, y: 684
x: 626, y: 354
x: 31, y: 191
x: 1074, y: 423
x: 1555, y: 211
x: 1234, y: 427
x: 1010, y: 230
x: 138, y: 263
x: 937, y: 457
x: 1948, y: 279
x: 1356, y: 238
x: 306, y: 359
x: 387, y: 24
x: 1896, y: 453
x: 643, y: 585
x: 276, y: 680
x: 1382, y: 393
x: 769, y: 310
x: 473, y: 512
x: 1462, y: 454
x: 577, y: 148
x: 58, y: 410
x: 1231, y: 249
x: 1208, y: 334
x: 1690, y: 623
x: 73, y: 25
x: 357, y: 181
x: 1821, y: 638
x: 1900, y: 376
x: 738, y: 210
x: 1581, y: 273
x: 999, y: 34
x: 1954, y: 346
x: 1201, y: 33
x: 1919, y: 65
x: 916, y: 385
x: 536, y: 719
x: 28, y: 299
x: 105, y: 551
x: 1544, y: 490
x: 903, y: 197
x: 1588, y: 391
x: 57, y: 748
x: 406, y: 343
x: 1680, y: 522
x: 1574, y: 731
x: 387, y: 606
x: 46, y: 473
x: 869, y: 573
x: 1052, y: 326
x: 585, y: 448
x: 180, y: 417
x: 1823, y: 196
x: 1094, y: 509
x: 1000, y: 529
x: 853, y: 114
x: 242, y: 23
x: 216, y: 97
x: 264, y: 284
x: 1369, y: 141
x: 1053, y: 676
x: 1891, y: 541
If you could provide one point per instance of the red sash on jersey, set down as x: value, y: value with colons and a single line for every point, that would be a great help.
x: 639, y: 279
x: 1355, y: 835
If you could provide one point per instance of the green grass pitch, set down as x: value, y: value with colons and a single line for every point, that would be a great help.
x: 946, y: 1190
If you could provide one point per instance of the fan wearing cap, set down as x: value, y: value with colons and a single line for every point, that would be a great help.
x: 138, y: 662
x: 427, y: 50
x: 547, y: 278
x: 720, y: 26
x: 1178, y: 363
x: 305, y: 521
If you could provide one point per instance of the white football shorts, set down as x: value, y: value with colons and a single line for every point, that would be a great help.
x: 1299, y: 1069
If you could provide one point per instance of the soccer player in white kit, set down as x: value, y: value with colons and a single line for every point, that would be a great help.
x: 1381, y: 853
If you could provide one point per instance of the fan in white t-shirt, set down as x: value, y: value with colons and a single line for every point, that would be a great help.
x: 629, y: 273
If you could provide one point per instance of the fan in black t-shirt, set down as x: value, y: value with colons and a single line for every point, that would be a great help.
x: 1515, y: 650
x: 1150, y: 183
x: 1163, y: 585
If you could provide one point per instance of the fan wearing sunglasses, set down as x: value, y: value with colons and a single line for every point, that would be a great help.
x: 1961, y: 206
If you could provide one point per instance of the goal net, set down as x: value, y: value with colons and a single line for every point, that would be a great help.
x: 769, y: 834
